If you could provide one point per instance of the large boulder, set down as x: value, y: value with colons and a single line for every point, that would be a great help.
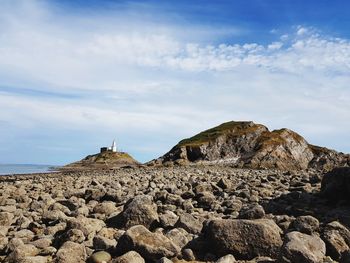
x: 245, y: 239
x: 151, y: 246
x: 335, y: 184
x: 302, y: 248
x: 71, y: 252
x: 337, y: 239
x: 141, y: 210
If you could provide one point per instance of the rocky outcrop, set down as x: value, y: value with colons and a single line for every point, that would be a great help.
x: 104, y: 160
x: 246, y: 144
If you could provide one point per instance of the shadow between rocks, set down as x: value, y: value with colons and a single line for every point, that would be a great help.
x: 301, y: 203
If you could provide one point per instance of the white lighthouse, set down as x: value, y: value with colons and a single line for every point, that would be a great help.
x: 114, y: 147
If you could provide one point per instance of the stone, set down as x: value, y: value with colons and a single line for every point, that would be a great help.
x: 337, y: 239
x: 6, y: 219
x: 71, y: 252
x: 100, y: 257
x: 252, y: 212
x: 335, y: 184
x: 306, y: 224
x: 179, y: 236
x: 138, y: 211
x: 36, y: 259
x: 74, y: 235
x: 244, y: 239
x: 168, y: 219
x: 107, y: 208
x: 24, y: 234
x: 129, y: 257
x: 224, y: 183
x: 3, y: 243
x: 103, y: 243
x: 189, y: 223
x: 188, y: 255
x: 86, y: 225
x: 22, y: 251
x: 151, y: 246
x: 226, y: 259
x: 302, y: 248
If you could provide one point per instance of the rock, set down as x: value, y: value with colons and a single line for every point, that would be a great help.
x: 103, y: 243
x: 151, y: 246
x: 139, y: 211
x: 179, y: 236
x: 86, y: 225
x: 252, y: 212
x: 130, y: 257
x: 6, y: 219
x: 3, y: 243
x: 188, y: 255
x: 100, y: 257
x: 168, y: 219
x: 224, y: 184
x: 164, y: 260
x: 245, y: 239
x: 22, y: 251
x: 303, y: 248
x: 226, y: 259
x: 336, y: 184
x: 24, y: 234
x: 306, y: 224
x: 189, y: 223
x: 107, y: 208
x: 74, y: 235
x: 42, y: 243
x: 36, y: 259
x: 337, y: 239
x: 246, y: 144
x: 71, y: 252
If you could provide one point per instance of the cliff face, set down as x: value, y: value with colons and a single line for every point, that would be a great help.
x: 105, y: 160
x: 246, y: 144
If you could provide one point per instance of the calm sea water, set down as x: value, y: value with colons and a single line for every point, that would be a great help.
x: 24, y: 168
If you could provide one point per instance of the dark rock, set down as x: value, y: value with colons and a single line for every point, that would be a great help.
x: 306, y: 224
x: 252, y: 212
x: 336, y: 184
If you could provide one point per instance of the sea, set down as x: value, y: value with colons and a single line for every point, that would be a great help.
x: 6, y: 169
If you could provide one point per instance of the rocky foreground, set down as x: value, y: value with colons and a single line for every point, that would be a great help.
x: 176, y: 214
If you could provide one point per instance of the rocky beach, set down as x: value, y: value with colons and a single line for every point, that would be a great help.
x: 234, y: 193
x: 175, y: 214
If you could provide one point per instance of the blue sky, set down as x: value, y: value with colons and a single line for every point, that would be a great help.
x: 74, y: 75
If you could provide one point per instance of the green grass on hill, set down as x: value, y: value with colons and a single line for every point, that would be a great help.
x: 213, y: 133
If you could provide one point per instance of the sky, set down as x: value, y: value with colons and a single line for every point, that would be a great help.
x: 74, y: 75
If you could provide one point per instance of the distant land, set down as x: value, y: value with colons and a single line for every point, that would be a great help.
x: 242, y: 144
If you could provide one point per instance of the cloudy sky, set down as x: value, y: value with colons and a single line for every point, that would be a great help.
x: 74, y: 75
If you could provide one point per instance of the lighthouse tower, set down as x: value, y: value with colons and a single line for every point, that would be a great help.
x: 114, y: 147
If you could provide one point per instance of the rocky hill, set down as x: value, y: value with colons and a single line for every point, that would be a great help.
x: 104, y: 160
x: 246, y: 144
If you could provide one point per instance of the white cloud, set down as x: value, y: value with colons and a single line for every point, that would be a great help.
x: 145, y: 78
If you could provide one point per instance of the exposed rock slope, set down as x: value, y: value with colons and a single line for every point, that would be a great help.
x: 246, y: 144
x: 104, y: 160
